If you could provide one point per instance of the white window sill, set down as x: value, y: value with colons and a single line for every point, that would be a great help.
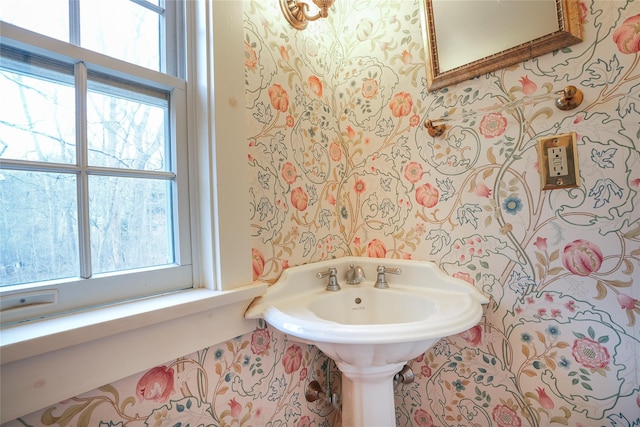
x: 47, y: 361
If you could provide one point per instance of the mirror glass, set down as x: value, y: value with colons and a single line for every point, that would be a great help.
x: 466, y: 38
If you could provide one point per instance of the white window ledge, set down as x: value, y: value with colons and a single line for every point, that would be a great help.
x: 47, y: 361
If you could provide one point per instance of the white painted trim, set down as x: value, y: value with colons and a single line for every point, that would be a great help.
x: 222, y: 96
x: 49, y: 361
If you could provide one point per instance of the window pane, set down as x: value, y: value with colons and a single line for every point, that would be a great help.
x: 38, y: 227
x: 122, y: 29
x: 47, y: 17
x: 131, y: 224
x: 127, y: 133
x: 37, y: 114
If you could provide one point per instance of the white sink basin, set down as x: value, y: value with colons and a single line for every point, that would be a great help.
x: 370, y: 333
x: 421, y: 303
x: 371, y: 306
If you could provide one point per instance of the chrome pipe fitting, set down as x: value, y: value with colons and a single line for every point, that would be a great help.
x: 314, y: 392
x: 405, y: 376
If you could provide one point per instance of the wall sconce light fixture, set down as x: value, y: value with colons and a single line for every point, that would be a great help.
x: 296, y: 12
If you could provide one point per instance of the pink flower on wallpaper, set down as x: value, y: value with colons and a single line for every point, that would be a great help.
x: 304, y: 421
x: 473, y: 336
x: 544, y: 399
x: 260, y: 341
x: 290, y: 121
x: 493, y: 125
x: 156, y: 384
x: 284, y: 54
x: 257, y: 259
x: 401, y: 104
x: 299, y: 199
x: 422, y: 418
x: 425, y: 371
x: 369, y: 88
x: 359, y: 187
x: 427, y: 195
x: 376, y: 249
x: 627, y: 36
x: 278, y: 97
x: 413, y: 172
x: 292, y: 359
x: 407, y: 57
x: 350, y: 132
x: 414, y: 120
x: 303, y: 374
x: 289, y: 173
x: 482, y: 190
x: 582, y: 257
x: 627, y: 302
x: 335, y: 152
x: 464, y: 276
x: 235, y: 407
x: 528, y: 87
x: 505, y: 416
x: 250, y: 56
x: 584, y: 12
x: 541, y: 243
x: 315, y: 85
x: 590, y: 354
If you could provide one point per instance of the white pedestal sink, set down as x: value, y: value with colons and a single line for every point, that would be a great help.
x: 370, y: 333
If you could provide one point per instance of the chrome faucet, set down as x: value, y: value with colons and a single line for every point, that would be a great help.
x: 381, y: 281
x: 355, y: 275
x: 333, y: 279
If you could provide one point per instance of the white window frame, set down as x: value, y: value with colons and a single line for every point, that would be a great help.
x: 103, y: 345
x: 89, y: 290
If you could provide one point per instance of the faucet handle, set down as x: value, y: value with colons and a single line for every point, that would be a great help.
x: 333, y: 278
x: 383, y: 269
x: 381, y: 281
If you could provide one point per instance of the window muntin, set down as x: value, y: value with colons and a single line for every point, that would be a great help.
x: 104, y: 153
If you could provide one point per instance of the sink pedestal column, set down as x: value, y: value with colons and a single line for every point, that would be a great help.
x: 367, y: 395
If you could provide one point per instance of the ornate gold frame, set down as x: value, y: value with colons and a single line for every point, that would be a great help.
x: 570, y: 33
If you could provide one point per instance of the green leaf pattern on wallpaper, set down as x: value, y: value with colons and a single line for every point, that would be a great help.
x: 340, y: 164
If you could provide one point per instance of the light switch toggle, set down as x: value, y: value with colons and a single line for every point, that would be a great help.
x: 558, y: 161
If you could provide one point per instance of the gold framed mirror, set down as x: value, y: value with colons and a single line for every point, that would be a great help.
x: 468, y: 38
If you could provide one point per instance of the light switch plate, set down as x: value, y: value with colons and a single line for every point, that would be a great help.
x: 558, y: 161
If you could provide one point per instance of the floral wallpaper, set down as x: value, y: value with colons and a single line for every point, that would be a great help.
x: 341, y: 164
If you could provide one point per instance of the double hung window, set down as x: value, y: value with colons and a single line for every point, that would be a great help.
x: 94, y: 178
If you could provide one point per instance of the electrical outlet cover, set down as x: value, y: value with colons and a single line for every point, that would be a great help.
x: 558, y: 161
